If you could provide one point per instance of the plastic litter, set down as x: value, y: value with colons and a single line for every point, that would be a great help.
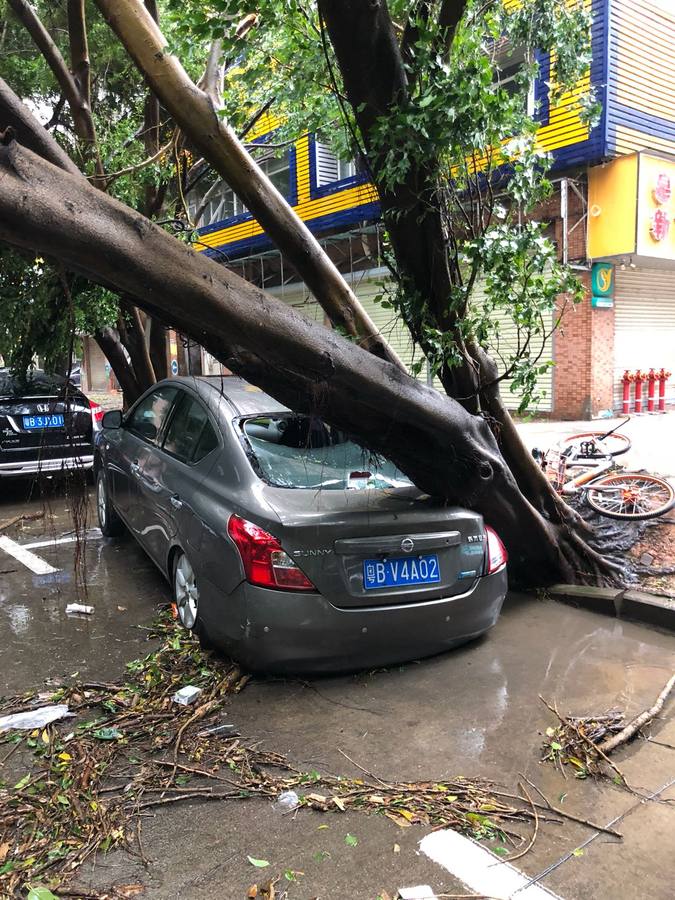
x: 286, y: 802
x: 79, y: 609
x: 35, y: 718
x: 229, y: 730
x: 186, y: 695
x: 420, y: 892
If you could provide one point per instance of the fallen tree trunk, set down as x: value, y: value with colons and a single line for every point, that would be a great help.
x: 445, y: 450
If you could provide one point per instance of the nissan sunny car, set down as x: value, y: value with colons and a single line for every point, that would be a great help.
x: 288, y: 545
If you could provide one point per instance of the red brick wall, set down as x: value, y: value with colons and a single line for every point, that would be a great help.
x: 583, y: 350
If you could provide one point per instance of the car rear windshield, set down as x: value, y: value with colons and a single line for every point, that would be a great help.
x: 298, y: 451
x: 33, y: 384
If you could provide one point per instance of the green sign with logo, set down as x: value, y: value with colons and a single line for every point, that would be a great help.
x: 602, y: 285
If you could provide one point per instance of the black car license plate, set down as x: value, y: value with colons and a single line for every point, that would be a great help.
x: 31, y: 423
x: 401, y: 571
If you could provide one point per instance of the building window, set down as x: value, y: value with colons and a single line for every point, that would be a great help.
x: 223, y: 203
x: 328, y: 167
x: 508, y: 64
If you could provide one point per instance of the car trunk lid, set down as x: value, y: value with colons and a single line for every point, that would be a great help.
x: 379, y: 547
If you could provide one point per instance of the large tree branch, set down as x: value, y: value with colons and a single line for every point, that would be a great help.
x: 194, y: 112
x: 449, y: 17
x: 109, y: 341
x: 30, y: 132
x: 300, y: 361
x: 446, y: 451
x: 76, y: 97
x: 374, y: 76
x: 211, y: 81
x: 47, y: 47
x: 79, y: 49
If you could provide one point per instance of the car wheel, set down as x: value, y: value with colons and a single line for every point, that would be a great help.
x: 109, y: 522
x: 186, y: 598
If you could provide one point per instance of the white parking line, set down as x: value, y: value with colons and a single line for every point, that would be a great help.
x: 91, y: 535
x: 30, y: 560
x: 479, y: 869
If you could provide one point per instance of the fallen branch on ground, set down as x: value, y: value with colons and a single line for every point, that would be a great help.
x: 22, y: 517
x: 585, y: 742
x: 638, y: 722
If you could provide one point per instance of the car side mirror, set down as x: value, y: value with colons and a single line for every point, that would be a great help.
x: 112, y: 419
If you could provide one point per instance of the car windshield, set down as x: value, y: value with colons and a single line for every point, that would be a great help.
x: 298, y: 451
x: 32, y: 384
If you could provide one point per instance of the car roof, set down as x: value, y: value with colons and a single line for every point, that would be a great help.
x: 246, y: 399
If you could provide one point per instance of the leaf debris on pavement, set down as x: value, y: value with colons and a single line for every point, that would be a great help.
x: 132, y: 750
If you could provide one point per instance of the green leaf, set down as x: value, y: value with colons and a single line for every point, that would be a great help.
x: 20, y: 785
x: 351, y: 840
x: 500, y: 851
x: 578, y: 852
x: 290, y: 875
x: 40, y: 893
x: 555, y: 745
x: 258, y: 863
x: 321, y: 856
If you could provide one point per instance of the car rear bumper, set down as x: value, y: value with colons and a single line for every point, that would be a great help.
x: 292, y: 632
x: 45, y: 466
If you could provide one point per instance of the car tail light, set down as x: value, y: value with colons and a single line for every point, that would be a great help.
x: 264, y: 561
x: 97, y: 412
x: 497, y: 556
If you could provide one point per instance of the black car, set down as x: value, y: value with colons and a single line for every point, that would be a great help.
x: 46, y: 424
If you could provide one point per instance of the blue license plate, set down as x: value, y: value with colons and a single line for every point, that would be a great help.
x: 401, y: 571
x: 32, y: 422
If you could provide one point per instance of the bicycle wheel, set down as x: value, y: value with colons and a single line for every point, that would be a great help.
x: 631, y: 495
x: 596, y: 445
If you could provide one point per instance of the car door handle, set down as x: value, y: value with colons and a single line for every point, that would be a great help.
x: 176, y: 502
x: 135, y: 469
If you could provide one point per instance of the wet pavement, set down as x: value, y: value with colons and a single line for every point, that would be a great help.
x: 471, y: 712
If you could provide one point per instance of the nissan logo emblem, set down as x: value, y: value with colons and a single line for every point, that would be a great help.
x: 407, y: 545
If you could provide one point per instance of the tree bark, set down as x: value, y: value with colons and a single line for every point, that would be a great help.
x: 109, y: 342
x: 446, y: 451
x: 30, y: 132
x: 194, y: 112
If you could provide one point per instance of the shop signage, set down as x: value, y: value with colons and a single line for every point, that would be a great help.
x: 632, y: 209
x: 602, y: 285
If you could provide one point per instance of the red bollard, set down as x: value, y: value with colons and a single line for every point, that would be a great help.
x: 639, y: 378
x: 651, y: 384
x: 663, y: 376
x: 626, y: 381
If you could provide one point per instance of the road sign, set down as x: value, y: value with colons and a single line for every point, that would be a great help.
x: 174, y: 367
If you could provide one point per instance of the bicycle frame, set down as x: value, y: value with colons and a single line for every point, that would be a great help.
x: 586, y: 477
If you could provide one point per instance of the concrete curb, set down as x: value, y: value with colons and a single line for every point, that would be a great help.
x: 636, y: 606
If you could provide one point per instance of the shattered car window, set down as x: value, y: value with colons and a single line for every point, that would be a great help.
x: 298, y: 451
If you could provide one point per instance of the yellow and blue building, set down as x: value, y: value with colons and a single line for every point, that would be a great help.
x: 613, y: 206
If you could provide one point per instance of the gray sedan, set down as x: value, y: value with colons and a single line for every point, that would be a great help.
x: 287, y: 545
